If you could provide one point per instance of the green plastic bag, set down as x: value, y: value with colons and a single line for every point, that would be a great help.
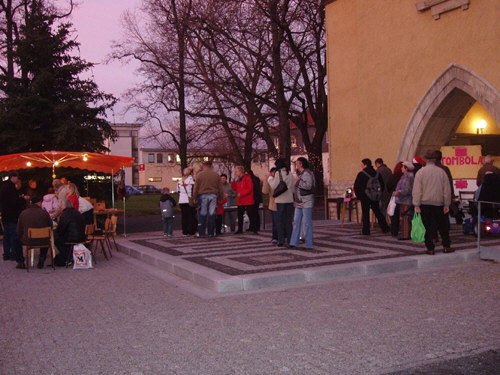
x: 417, y: 228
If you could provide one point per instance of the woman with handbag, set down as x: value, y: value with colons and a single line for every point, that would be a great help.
x: 304, y: 203
x: 282, y: 184
x: 403, y: 194
x: 188, y: 208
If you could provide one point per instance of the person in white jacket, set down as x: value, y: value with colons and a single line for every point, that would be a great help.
x: 284, y: 201
x: 188, y: 211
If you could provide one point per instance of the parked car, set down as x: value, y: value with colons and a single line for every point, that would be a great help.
x: 148, y: 189
x: 132, y: 190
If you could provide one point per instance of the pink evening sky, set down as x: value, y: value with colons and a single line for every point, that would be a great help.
x: 98, y: 24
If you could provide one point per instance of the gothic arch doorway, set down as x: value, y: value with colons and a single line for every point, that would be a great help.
x: 443, y: 107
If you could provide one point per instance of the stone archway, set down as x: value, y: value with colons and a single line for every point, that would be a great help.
x: 442, y: 108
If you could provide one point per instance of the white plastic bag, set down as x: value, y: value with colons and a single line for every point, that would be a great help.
x: 391, y: 207
x: 82, y: 258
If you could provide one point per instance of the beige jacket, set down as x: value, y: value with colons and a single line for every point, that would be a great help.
x: 431, y: 187
x: 266, y: 189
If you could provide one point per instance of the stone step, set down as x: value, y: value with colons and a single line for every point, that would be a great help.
x: 220, y: 282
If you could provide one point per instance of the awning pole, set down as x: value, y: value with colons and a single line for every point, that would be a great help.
x: 124, y: 221
x: 112, y: 188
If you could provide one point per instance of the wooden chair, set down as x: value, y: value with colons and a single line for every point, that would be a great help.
x: 350, y: 205
x: 44, y: 233
x: 99, y: 239
x: 99, y: 206
x: 110, y: 232
x: 89, y: 229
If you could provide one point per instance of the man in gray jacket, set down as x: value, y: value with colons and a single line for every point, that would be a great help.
x: 431, y: 198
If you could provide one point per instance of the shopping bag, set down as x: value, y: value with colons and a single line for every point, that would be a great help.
x: 417, y: 228
x: 82, y: 257
x: 391, y: 207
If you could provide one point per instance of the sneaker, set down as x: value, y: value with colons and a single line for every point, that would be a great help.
x: 448, y: 250
x: 169, y: 235
x: 274, y: 242
x: 20, y: 266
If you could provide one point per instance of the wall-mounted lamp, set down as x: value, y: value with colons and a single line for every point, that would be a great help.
x: 480, y: 126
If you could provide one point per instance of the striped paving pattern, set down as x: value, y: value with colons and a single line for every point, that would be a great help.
x: 251, y: 254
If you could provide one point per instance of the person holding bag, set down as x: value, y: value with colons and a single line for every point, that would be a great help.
x: 431, y: 198
x: 404, y: 199
x: 304, y: 203
x: 185, y: 185
x: 283, y: 199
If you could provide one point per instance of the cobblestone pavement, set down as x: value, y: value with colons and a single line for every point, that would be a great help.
x: 122, y: 318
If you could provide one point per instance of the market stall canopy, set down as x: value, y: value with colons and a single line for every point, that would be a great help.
x: 52, y: 159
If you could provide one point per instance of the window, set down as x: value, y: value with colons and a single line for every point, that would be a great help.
x: 171, y: 158
x: 177, y: 158
x: 154, y: 179
x: 159, y: 158
x: 293, y: 141
x: 151, y: 158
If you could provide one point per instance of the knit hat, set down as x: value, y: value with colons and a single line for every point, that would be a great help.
x: 418, y: 160
x: 409, y: 165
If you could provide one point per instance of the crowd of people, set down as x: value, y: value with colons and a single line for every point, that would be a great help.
x: 208, y: 201
x: 61, y: 208
x: 423, y: 185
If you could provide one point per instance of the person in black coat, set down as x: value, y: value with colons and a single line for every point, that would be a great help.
x: 360, y: 185
x: 70, y: 228
x: 12, y: 203
x: 490, y: 192
x: 257, y: 196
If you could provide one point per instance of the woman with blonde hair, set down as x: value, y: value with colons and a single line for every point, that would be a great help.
x: 188, y: 209
x: 73, y: 195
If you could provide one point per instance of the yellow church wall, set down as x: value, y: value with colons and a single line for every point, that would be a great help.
x: 383, y: 55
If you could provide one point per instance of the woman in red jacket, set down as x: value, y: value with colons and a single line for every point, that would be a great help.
x: 244, y: 195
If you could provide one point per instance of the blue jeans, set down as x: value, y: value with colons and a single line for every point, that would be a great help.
x: 284, y: 220
x: 207, y: 206
x: 12, y: 247
x: 300, y: 213
x: 168, y: 225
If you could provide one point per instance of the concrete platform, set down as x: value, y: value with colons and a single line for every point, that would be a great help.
x: 235, y: 263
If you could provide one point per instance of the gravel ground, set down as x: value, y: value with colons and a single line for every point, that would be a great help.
x: 120, y: 318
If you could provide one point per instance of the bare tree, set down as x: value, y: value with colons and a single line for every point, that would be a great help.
x: 160, y: 47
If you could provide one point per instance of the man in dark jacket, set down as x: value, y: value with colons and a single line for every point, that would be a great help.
x: 34, y: 217
x: 12, y: 204
x: 257, y: 197
x: 70, y: 229
x: 366, y: 203
x: 386, y: 174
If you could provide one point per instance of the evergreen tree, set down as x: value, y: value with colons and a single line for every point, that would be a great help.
x: 49, y: 107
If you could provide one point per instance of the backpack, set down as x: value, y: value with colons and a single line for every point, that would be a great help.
x: 373, y: 188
